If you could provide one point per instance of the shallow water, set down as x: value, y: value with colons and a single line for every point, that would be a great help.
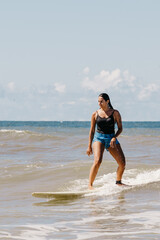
x: 37, y: 157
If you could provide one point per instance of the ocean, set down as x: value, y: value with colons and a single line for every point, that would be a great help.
x: 51, y: 156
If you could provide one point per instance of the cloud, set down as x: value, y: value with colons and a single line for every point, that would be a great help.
x: 60, y: 87
x: 86, y: 70
x: 71, y: 103
x: 122, y: 83
x: 42, y: 91
x: 67, y: 103
x: 146, y: 92
x: 106, y: 80
x: 11, y: 86
x: 44, y: 107
x: 129, y: 79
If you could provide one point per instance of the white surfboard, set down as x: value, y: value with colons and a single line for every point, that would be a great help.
x: 59, y: 194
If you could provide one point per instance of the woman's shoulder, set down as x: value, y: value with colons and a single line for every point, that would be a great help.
x: 116, y: 113
x: 94, y: 115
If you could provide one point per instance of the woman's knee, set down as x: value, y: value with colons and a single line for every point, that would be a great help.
x: 122, y: 162
x: 97, y: 162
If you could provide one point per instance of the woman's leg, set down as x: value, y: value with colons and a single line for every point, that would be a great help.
x: 118, y: 155
x: 98, y: 149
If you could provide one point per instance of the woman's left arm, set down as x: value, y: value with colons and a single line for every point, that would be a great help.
x: 118, y: 120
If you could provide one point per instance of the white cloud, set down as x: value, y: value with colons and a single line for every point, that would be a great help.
x: 71, y: 103
x: 129, y: 79
x: 11, y: 86
x: 146, y: 92
x: 60, y: 87
x: 42, y: 91
x: 106, y: 80
x: 44, y: 107
x: 86, y: 70
x: 83, y: 99
x: 68, y: 103
x: 122, y: 81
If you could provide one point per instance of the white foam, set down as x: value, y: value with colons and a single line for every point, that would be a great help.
x: 105, y: 185
x: 34, y: 232
x: 145, y: 177
x: 12, y: 131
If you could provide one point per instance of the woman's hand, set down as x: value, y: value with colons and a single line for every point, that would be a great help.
x: 113, y: 142
x: 89, y: 151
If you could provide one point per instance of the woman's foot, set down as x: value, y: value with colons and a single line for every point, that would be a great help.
x: 119, y: 183
x: 90, y: 187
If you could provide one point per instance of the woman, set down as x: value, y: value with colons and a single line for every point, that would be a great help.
x: 105, y: 137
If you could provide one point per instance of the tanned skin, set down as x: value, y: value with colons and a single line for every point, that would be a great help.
x: 98, y: 148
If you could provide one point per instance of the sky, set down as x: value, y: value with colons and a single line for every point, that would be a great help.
x: 57, y: 56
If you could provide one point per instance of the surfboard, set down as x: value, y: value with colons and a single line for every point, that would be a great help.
x: 59, y: 194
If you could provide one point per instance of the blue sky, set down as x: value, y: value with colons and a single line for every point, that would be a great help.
x: 57, y: 56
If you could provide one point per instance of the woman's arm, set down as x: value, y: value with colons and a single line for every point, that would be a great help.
x: 118, y: 120
x: 91, y: 134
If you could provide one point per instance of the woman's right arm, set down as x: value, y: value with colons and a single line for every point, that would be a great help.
x: 91, y: 134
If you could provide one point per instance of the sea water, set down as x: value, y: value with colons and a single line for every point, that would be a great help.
x: 51, y: 156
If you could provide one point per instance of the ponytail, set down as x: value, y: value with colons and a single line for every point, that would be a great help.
x: 110, y: 105
x: 106, y: 97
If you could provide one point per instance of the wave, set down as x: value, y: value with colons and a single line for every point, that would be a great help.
x: 105, y: 185
x: 14, y: 133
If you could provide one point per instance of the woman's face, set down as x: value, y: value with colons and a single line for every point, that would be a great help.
x: 101, y: 102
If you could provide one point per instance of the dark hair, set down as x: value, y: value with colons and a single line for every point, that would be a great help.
x: 106, y: 97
